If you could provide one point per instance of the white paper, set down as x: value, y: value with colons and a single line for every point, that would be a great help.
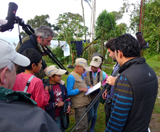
x: 95, y: 87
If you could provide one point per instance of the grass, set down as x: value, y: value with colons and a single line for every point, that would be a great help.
x: 100, y: 125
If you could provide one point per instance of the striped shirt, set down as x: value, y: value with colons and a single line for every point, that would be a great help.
x: 121, y: 105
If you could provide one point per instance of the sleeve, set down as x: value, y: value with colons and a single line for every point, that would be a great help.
x: 105, y: 76
x: 41, y: 96
x: 70, y: 84
x: 121, y: 105
x: 84, y: 74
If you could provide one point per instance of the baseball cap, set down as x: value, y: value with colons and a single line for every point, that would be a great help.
x: 96, y: 61
x: 8, y: 54
x: 82, y: 62
x: 51, y: 70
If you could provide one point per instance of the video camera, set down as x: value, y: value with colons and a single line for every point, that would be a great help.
x: 141, y: 41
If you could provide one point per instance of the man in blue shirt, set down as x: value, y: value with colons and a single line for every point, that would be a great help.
x: 110, y: 45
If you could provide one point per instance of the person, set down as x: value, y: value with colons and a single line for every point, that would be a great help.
x: 76, y: 88
x: 58, y: 94
x: 110, y: 45
x: 42, y: 37
x: 18, y: 111
x: 38, y: 93
x: 93, y: 77
x: 135, y: 89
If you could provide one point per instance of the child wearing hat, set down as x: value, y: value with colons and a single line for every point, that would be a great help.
x: 58, y: 93
x: 92, y: 77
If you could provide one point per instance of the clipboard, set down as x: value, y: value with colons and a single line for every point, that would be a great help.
x: 94, y: 88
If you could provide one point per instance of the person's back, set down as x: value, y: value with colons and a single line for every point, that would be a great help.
x: 35, y: 88
x: 22, y: 114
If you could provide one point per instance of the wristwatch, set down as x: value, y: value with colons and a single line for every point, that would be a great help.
x: 56, y: 104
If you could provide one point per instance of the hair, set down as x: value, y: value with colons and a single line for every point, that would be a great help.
x: 44, y: 32
x: 34, y: 56
x: 110, y: 44
x: 128, y: 45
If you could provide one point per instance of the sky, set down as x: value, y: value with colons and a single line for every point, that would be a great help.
x: 30, y: 8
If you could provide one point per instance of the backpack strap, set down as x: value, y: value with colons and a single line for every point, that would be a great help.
x: 28, y: 83
x: 91, y: 78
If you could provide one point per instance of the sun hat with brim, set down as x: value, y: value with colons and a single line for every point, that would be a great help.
x: 54, y: 70
x: 82, y: 62
x: 8, y: 55
x: 96, y: 61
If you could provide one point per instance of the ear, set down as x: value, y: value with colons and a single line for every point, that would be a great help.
x: 3, y: 75
x: 39, y: 39
x: 33, y: 65
x: 120, y: 54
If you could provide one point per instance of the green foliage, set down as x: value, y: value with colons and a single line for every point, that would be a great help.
x: 150, y: 24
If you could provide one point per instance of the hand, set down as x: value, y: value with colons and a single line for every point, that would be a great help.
x: 69, y: 109
x: 83, y: 89
x: 48, y: 88
x: 104, y: 95
x: 61, y: 103
x: 90, y: 87
x: 111, y: 80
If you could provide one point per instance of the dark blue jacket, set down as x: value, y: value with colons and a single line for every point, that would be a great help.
x: 50, y: 108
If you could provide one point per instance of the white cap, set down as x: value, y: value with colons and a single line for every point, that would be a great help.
x: 8, y: 54
x: 51, y: 70
x: 82, y: 62
x: 96, y: 61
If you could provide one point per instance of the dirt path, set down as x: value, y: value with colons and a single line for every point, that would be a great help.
x: 155, y: 120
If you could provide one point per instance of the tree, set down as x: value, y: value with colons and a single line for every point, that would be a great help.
x: 105, y: 25
x: 150, y: 24
x: 71, y: 28
x: 37, y: 21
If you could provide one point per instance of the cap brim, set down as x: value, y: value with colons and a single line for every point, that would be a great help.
x: 87, y: 68
x: 94, y: 64
x: 21, y: 60
x: 61, y: 72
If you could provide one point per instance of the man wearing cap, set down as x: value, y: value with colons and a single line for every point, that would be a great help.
x: 76, y: 88
x: 93, y: 77
x: 17, y: 109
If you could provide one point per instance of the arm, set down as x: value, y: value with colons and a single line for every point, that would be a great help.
x: 70, y: 84
x: 105, y: 76
x: 121, y: 105
x: 41, y: 96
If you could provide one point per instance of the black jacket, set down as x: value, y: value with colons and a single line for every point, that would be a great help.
x: 50, y: 108
x: 19, y: 113
x: 29, y: 42
x: 144, y: 85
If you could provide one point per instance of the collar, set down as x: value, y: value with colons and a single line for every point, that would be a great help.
x: 131, y: 62
x: 9, y: 95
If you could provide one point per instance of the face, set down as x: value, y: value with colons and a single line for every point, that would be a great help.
x: 112, y: 54
x: 81, y: 70
x: 94, y: 69
x: 56, y: 78
x: 45, y: 41
x: 37, y: 68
